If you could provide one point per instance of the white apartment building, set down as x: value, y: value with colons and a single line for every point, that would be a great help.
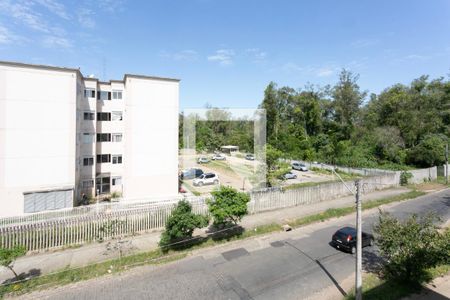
x: 62, y: 135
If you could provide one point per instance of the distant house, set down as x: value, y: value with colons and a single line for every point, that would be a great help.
x: 229, y: 149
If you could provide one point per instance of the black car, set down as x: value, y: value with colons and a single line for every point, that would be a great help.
x: 345, y: 239
x: 191, y: 174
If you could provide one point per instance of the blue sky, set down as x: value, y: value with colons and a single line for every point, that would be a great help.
x: 226, y: 52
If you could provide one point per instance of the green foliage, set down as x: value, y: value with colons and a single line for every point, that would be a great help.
x: 404, y: 177
x: 429, y: 152
x: 410, y: 247
x: 227, y: 206
x: 8, y: 256
x: 180, y: 226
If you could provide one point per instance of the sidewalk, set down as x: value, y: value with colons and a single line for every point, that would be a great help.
x: 96, y: 252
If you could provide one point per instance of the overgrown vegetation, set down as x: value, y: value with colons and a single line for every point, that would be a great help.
x: 404, y: 124
x: 411, y: 247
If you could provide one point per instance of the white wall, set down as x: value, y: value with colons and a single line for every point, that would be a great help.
x: 151, y: 138
x: 37, y: 133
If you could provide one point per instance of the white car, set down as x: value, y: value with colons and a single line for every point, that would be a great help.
x: 299, y: 166
x: 218, y: 157
x: 206, y: 178
x: 290, y: 175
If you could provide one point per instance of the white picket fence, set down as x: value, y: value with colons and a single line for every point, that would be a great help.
x: 63, y: 228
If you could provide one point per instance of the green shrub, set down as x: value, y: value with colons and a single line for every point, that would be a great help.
x: 228, y: 206
x: 410, y: 248
x: 404, y: 177
x: 180, y: 226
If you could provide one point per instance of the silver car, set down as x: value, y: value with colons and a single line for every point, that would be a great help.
x: 299, y: 166
x: 290, y: 175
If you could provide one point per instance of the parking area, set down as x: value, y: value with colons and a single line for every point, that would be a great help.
x: 238, y: 172
x: 308, y: 176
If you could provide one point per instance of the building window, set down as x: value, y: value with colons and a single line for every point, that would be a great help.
x: 102, y: 95
x: 103, y: 116
x: 88, y: 138
x: 89, y: 93
x: 88, y: 115
x: 117, y: 159
x: 116, y: 116
x: 103, y: 137
x: 117, y: 95
x: 103, y: 158
x: 88, y: 161
x: 87, y: 184
x: 117, y: 181
x: 116, y: 137
x: 103, y: 185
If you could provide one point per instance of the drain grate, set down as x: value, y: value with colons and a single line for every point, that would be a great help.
x: 236, y: 253
x: 277, y: 244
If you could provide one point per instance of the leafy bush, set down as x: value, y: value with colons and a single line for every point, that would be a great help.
x: 409, y: 248
x: 8, y: 256
x: 180, y: 226
x: 404, y: 177
x: 228, y: 206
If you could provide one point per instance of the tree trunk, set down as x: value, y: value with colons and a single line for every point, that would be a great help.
x: 12, y: 270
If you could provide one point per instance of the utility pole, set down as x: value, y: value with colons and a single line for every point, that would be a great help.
x: 358, y: 280
x: 446, y: 164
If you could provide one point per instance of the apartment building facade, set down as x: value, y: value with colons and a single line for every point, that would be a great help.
x: 63, y: 135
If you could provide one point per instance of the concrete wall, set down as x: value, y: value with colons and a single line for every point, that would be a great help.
x: 37, y: 133
x: 151, y: 139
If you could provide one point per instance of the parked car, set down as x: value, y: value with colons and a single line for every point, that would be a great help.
x: 191, y: 173
x: 206, y: 178
x: 218, y: 156
x: 203, y: 160
x: 289, y: 175
x: 299, y: 166
x: 249, y: 157
x: 345, y: 239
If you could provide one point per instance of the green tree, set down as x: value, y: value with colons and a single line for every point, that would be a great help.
x: 429, y: 152
x: 347, y: 99
x: 227, y: 206
x: 9, y: 256
x: 180, y: 226
x: 409, y: 248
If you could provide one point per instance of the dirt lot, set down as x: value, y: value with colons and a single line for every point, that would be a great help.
x: 237, y: 172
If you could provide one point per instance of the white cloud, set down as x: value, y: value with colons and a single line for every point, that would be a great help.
x: 7, y: 37
x: 85, y: 18
x: 111, y: 5
x: 55, y: 7
x: 325, y: 72
x: 416, y: 57
x: 57, y: 42
x: 363, y: 43
x: 183, y: 55
x: 257, y: 54
x: 223, y: 56
x: 292, y: 67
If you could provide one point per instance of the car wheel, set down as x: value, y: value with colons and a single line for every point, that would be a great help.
x: 216, y: 181
x: 353, y: 250
x: 200, y: 183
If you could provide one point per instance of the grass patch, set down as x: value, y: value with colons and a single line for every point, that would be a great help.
x: 377, y: 288
x: 191, y: 189
x: 221, y: 166
x: 305, y: 184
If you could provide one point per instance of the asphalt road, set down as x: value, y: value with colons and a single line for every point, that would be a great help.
x: 291, y: 268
